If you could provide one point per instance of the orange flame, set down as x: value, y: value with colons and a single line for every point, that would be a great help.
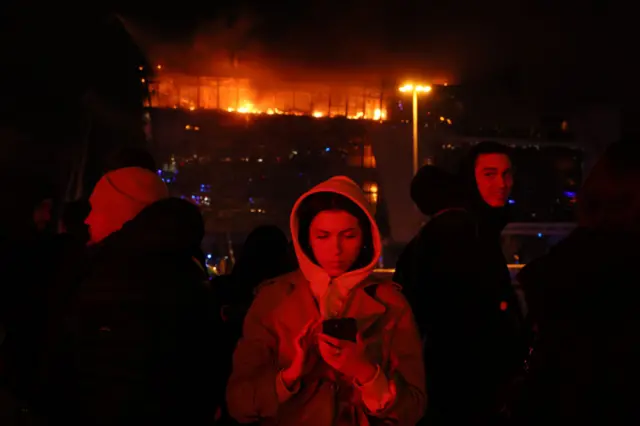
x: 239, y: 96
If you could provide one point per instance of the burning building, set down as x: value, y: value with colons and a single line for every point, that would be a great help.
x: 363, y: 100
x: 243, y: 144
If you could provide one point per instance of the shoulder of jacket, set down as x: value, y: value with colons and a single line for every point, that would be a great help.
x: 457, y: 222
x: 453, y: 215
x: 381, y: 281
x: 279, y: 284
x: 270, y: 293
x: 387, y: 290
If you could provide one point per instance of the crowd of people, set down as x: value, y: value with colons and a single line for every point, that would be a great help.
x: 121, y: 324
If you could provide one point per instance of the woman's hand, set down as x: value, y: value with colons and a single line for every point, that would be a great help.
x: 303, y: 342
x: 347, y: 357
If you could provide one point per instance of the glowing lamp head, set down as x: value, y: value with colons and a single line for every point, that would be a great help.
x: 411, y: 88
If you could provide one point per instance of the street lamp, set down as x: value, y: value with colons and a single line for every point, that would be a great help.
x: 415, y: 90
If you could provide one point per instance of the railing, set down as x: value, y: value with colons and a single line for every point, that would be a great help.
x: 513, y: 267
x: 539, y: 228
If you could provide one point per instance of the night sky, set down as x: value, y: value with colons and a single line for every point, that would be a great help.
x: 550, y: 43
x: 559, y: 50
x: 56, y: 55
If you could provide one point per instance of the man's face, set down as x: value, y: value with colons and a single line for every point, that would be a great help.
x: 494, y: 178
x: 102, y: 221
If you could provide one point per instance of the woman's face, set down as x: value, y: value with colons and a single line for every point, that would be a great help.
x: 336, y: 240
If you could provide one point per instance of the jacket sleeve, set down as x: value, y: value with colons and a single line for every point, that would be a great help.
x: 459, y: 277
x: 251, y: 390
x: 406, y: 374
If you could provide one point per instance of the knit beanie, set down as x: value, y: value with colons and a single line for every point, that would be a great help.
x: 123, y: 193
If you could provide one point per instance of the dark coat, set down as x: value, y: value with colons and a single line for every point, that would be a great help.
x: 456, y: 277
x: 584, y: 368
x: 139, y: 343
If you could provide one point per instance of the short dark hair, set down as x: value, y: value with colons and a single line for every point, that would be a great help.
x: 324, y: 201
x: 468, y: 164
x: 488, y: 147
x: 610, y: 196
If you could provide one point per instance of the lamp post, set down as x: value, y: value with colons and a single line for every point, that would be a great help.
x: 415, y: 90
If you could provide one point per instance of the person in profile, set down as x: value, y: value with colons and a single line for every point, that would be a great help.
x: 139, y: 336
x: 329, y: 344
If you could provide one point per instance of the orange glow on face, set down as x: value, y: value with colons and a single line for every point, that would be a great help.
x: 494, y: 178
x: 336, y: 240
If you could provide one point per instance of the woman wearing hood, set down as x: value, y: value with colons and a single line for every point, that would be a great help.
x: 328, y: 344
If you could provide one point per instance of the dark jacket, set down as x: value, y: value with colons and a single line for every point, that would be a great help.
x: 585, y: 366
x: 264, y: 255
x: 39, y: 272
x: 139, y: 340
x: 456, y: 277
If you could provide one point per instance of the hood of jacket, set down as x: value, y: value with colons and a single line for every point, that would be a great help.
x: 318, y: 278
x: 434, y: 190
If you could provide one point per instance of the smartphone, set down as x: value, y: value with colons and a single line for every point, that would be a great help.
x: 341, y: 328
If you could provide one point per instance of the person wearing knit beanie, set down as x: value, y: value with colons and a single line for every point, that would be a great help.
x: 119, y: 196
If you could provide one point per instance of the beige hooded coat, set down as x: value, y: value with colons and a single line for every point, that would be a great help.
x: 284, y: 305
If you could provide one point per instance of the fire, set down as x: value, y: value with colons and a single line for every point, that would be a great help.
x: 247, y: 108
x: 239, y: 96
x: 380, y: 114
